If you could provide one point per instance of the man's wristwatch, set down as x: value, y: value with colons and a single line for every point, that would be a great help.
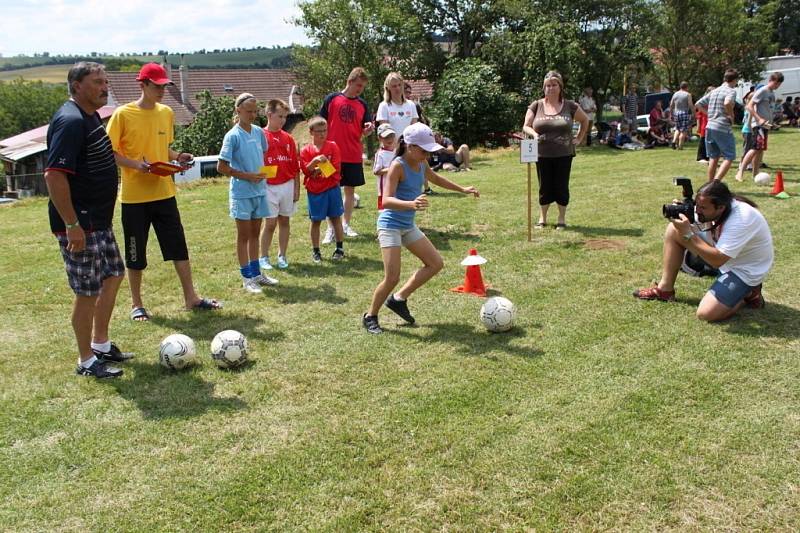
x: 71, y: 226
x: 688, y: 236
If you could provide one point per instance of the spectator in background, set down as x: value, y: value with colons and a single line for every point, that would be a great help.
x: 407, y: 92
x: 760, y: 109
x: 681, y: 106
x: 347, y: 118
x: 788, y: 112
x: 630, y: 107
x: 549, y: 120
x: 702, y: 120
x: 720, y: 143
x: 656, y: 135
x: 395, y: 110
x: 657, y: 113
x: 588, y: 105
x: 449, y: 158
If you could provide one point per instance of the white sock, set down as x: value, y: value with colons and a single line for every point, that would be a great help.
x: 102, y: 347
x: 396, y: 297
x: 89, y: 362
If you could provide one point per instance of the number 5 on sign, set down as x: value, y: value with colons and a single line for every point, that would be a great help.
x: 528, y: 151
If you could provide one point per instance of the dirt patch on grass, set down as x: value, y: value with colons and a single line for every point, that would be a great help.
x: 604, y: 244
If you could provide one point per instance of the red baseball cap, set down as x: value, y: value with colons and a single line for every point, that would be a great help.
x: 154, y: 73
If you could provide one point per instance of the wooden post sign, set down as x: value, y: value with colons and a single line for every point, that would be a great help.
x: 529, y: 153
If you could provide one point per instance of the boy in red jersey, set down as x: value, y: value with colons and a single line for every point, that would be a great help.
x: 320, y: 162
x: 348, y: 120
x: 283, y: 190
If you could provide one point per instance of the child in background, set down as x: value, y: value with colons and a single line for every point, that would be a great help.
x: 283, y: 190
x: 383, y: 157
x: 322, y: 186
x: 403, y: 197
x: 241, y: 158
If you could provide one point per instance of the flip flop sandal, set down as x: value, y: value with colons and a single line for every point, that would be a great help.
x: 207, y: 304
x: 140, y: 314
x: 539, y: 225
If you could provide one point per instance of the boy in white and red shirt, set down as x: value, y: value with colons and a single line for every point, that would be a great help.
x: 283, y: 190
x: 383, y: 157
x: 324, y: 196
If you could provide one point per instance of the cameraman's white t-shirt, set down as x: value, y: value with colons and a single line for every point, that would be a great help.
x: 746, y: 239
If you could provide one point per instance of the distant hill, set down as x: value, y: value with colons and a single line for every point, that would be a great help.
x: 277, y: 57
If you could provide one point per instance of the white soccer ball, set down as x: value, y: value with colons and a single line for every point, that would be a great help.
x: 176, y: 351
x: 498, y: 314
x: 356, y: 200
x: 762, y: 178
x: 229, y: 349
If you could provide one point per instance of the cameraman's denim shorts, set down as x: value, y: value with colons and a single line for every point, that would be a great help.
x: 729, y: 289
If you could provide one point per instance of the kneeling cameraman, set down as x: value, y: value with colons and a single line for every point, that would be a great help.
x: 738, y: 242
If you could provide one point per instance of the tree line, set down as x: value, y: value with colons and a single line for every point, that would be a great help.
x: 501, y: 49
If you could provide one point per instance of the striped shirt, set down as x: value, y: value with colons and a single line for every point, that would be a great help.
x: 714, y: 102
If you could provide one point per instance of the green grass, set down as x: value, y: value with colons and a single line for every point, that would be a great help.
x: 596, y: 412
x: 46, y: 73
x: 208, y: 60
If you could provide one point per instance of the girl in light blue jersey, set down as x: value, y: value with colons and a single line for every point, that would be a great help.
x: 402, y: 198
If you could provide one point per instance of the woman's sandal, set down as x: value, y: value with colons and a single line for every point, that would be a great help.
x: 207, y: 304
x: 140, y: 314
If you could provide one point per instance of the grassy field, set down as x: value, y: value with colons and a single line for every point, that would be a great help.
x: 46, y: 73
x: 210, y: 59
x: 596, y: 412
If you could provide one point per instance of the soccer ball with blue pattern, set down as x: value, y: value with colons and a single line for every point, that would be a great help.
x: 229, y: 349
x: 498, y: 314
x: 176, y: 351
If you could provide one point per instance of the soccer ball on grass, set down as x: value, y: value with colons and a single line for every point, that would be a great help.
x: 762, y: 178
x: 498, y: 314
x: 229, y: 349
x: 176, y: 351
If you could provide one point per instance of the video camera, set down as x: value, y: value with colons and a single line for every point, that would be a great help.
x: 686, y: 206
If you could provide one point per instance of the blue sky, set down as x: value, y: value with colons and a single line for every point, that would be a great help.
x: 113, y: 26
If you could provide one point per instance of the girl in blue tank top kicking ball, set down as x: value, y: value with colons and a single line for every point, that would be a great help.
x: 402, y: 198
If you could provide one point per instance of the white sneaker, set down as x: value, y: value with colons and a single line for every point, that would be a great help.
x: 350, y: 232
x: 282, y: 262
x: 265, y: 281
x: 328, y: 236
x: 251, y: 285
x: 264, y: 263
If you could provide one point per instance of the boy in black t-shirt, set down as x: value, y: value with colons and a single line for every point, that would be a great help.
x: 81, y: 178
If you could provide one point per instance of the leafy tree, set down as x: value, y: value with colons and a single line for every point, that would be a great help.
x: 378, y: 36
x: 787, y: 25
x: 204, y: 135
x: 25, y: 105
x: 466, y: 22
x: 470, y: 102
x: 688, y: 46
x: 591, y: 43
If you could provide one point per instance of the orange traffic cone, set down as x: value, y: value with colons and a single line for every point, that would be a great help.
x: 777, y: 189
x: 473, y: 279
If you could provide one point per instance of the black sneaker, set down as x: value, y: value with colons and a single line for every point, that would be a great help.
x: 429, y: 191
x: 399, y: 307
x: 100, y: 370
x: 114, y: 354
x: 316, y: 257
x: 338, y: 255
x: 371, y: 324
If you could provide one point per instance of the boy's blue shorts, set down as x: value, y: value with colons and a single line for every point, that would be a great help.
x: 249, y: 208
x: 327, y: 204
